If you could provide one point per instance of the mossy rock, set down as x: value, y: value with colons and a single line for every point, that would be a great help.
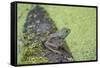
x: 37, y: 27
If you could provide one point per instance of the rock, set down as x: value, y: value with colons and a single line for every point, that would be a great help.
x: 37, y: 28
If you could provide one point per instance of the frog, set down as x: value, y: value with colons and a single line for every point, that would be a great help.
x: 58, y: 50
x: 56, y: 43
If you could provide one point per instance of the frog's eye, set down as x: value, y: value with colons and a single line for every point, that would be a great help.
x: 68, y: 30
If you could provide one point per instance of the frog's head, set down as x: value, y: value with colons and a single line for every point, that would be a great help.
x: 65, y: 32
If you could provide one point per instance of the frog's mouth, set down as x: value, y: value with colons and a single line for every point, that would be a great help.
x: 65, y: 32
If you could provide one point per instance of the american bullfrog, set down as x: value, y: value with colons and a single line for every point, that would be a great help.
x: 57, y: 45
x: 56, y: 40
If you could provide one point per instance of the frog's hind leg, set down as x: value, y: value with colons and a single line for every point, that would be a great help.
x: 51, y: 49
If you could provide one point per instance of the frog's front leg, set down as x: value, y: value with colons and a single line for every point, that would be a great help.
x: 50, y: 45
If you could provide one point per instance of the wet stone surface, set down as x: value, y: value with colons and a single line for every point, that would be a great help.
x: 40, y: 30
